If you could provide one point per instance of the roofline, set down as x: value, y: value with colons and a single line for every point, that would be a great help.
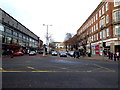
x: 18, y: 22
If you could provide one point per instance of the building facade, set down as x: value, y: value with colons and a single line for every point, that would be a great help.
x: 101, y: 31
x: 16, y: 36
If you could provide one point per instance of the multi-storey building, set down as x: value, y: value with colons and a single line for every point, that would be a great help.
x: 16, y: 36
x: 101, y: 31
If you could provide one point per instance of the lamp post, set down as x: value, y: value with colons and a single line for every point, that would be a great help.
x: 47, y: 37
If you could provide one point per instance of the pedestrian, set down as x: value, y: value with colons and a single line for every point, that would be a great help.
x: 11, y: 53
x: 109, y: 53
x: 74, y: 54
x: 117, y: 54
x: 111, y: 56
x: 77, y: 54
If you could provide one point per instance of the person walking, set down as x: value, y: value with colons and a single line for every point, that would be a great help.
x: 111, y: 56
x: 74, y: 54
x: 77, y: 54
x: 117, y: 55
x: 11, y: 53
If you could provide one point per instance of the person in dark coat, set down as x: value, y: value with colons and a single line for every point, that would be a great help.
x: 111, y: 56
x: 11, y: 53
x: 115, y: 56
x: 74, y: 54
x: 77, y: 54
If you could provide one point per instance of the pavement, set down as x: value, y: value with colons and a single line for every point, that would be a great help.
x: 96, y: 57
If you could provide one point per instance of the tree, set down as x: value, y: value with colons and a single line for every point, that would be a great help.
x: 68, y: 36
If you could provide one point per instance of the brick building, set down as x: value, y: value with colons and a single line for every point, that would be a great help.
x: 101, y: 31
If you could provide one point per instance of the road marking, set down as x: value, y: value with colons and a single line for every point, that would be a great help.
x: 104, y: 68
x: 30, y: 67
x: 63, y: 68
x: 1, y: 68
x: 58, y: 71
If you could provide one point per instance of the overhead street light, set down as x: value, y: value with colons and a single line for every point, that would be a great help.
x: 47, y: 38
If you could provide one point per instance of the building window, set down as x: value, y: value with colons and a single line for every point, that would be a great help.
x: 101, y: 35
x: 15, y: 34
x: 24, y: 37
x: 8, y: 40
x: 96, y: 26
x: 116, y: 3
x: 14, y: 41
x: 92, y: 20
x: 117, y: 29
x: 116, y: 16
x: 107, y: 32
x: 96, y: 16
x: 2, y: 19
x: 107, y: 7
x: 94, y: 38
x: 102, y: 22
x: 3, y: 39
x: 92, y: 29
x: 104, y: 34
x: 103, y: 10
x: 97, y: 36
x: 8, y: 31
x: 20, y: 35
x: 1, y: 27
x: 100, y: 13
x: 107, y: 19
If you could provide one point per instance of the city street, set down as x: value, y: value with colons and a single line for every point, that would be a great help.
x: 57, y: 72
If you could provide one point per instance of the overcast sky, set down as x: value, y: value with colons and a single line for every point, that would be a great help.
x: 65, y: 16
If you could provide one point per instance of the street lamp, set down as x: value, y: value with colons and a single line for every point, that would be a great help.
x: 47, y: 37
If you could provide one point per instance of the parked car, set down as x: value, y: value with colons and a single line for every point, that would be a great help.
x: 40, y: 51
x: 32, y: 53
x: 18, y: 53
x: 54, y: 53
x: 63, y: 54
x: 71, y: 53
